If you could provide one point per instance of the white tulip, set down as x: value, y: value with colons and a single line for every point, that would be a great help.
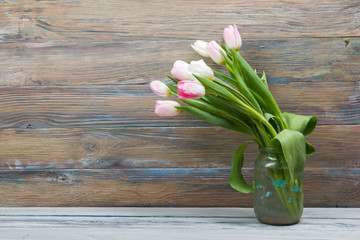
x: 160, y: 88
x: 200, y: 69
x: 166, y: 108
x: 200, y: 47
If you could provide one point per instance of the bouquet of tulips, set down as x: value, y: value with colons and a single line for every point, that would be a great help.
x: 240, y: 101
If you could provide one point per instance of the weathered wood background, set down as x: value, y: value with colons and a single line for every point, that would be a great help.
x: 76, y: 112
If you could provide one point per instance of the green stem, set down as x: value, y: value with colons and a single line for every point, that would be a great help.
x: 283, y: 122
x: 263, y: 133
x: 242, y: 96
x: 259, y: 139
x: 273, y: 132
x: 275, y: 176
x: 283, y: 192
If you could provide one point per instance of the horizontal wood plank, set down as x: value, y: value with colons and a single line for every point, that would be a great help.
x: 124, y: 106
x: 176, y: 231
x: 178, y: 147
x: 323, y: 187
x: 77, y: 120
x: 284, y: 61
x: 91, y: 20
x: 171, y: 223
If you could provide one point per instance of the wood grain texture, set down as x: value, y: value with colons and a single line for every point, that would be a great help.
x: 178, y: 147
x: 325, y: 187
x: 77, y: 122
x: 217, y: 212
x: 85, y: 20
x: 138, y: 62
x: 124, y: 106
x: 170, y: 223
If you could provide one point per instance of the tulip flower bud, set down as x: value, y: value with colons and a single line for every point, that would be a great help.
x: 200, y: 47
x: 200, y: 69
x: 180, y: 71
x: 160, y: 88
x: 167, y: 108
x: 213, y: 50
x: 232, y: 37
x: 190, y: 90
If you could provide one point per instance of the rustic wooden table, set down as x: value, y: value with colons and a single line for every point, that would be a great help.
x: 172, y: 223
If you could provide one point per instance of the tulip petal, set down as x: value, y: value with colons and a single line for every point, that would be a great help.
x: 160, y: 88
x: 214, y: 52
x: 200, y: 47
x: 232, y: 37
x: 190, y: 90
x: 166, y: 108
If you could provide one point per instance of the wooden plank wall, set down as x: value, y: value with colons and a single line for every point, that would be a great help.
x: 76, y: 113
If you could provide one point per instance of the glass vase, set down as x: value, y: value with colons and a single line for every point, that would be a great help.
x: 278, y: 200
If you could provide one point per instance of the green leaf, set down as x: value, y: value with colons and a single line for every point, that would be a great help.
x: 234, y: 91
x: 224, y: 47
x: 300, y: 123
x: 226, y: 78
x: 209, y: 108
x: 172, y: 78
x: 215, y: 87
x: 254, y: 83
x: 293, y: 147
x: 226, y: 57
x: 224, y: 92
x: 227, y: 106
x: 241, y: 106
x: 212, y: 119
x: 309, y: 149
x: 172, y: 87
x: 243, y: 87
x: 263, y: 79
x: 236, y: 179
x: 273, y: 120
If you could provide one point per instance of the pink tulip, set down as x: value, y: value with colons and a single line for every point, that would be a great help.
x: 213, y: 50
x: 190, y: 90
x: 160, y: 88
x: 232, y: 37
x: 166, y: 108
x: 180, y: 71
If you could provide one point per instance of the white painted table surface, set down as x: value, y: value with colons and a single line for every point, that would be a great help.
x: 171, y: 223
